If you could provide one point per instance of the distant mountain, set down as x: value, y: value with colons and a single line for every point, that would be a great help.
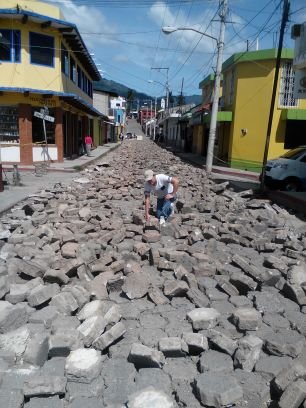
x: 114, y: 87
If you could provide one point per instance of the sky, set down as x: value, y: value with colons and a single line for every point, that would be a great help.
x: 127, y: 42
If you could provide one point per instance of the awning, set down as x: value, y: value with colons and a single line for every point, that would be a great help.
x: 293, y: 114
x: 71, y: 99
x: 222, y: 116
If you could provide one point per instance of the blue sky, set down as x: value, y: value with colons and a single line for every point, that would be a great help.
x: 126, y: 39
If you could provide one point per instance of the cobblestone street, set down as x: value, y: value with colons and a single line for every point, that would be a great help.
x: 100, y: 310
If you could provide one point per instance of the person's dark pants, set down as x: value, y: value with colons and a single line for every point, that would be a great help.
x: 164, y: 208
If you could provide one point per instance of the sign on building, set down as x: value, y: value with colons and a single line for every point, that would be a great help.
x: 162, y: 103
x: 298, y: 33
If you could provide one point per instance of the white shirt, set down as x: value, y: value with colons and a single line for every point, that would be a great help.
x: 162, y: 187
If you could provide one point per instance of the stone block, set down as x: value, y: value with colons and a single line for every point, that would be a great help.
x: 4, y: 286
x: 91, y: 329
x: 45, y: 316
x: 150, y: 398
x: 222, y: 342
x: 196, y: 342
x: 293, y: 395
x: 218, y: 390
x: 289, y: 374
x: 109, y: 337
x: 175, y: 288
x: 157, y: 296
x: 83, y: 365
x: 37, y: 349
x: 44, y: 386
x: 15, y: 341
x: 152, y: 377
x: 65, y: 303
x: 144, y: 357
x: 246, y: 318
x: 86, y: 402
x: 248, y: 352
x: 12, y: 316
x: 42, y: 293
x: 94, y: 308
x: 20, y: 291
x: 11, y: 398
x: 285, y: 343
x: 56, y: 276
x: 214, y: 361
x: 203, y: 318
x: 47, y: 402
x: 270, y: 366
x: 173, y: 347
x: 135, y: 286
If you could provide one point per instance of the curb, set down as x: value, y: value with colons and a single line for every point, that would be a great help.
x: 287, y: 200
x: 91, y: 162
x: 63, y: 169
x: 231, y: 172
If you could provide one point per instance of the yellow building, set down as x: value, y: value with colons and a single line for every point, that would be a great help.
x: 44, y: 63
x: 201, y: 118
x: 247, y: 89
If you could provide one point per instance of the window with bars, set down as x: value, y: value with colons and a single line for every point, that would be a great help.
x: 286, y: 86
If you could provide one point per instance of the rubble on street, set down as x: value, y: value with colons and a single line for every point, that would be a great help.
x: 99, y: 309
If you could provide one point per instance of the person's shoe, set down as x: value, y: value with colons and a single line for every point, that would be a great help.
x: 162, y: 221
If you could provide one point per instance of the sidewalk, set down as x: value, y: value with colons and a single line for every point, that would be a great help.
x: 72, y: 165
x: 294, y: 201
x: 57, y: 173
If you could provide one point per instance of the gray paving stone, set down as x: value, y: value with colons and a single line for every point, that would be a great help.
x: 109, y: 337
x: 150, y: 398
x: 42, y: 293
x: 214, y: 361
x: 48, y: 402
x: 246, y: 318
x: 248, y: 352
x: 293, y: 395
x: 153, y: 377
x: 88, y: 402
x: 144, y: 357
x: 218, y: 390
x: 46, y: 316
x: 44, y: 385
x: 11, y: 316
x: 11, y: 398
x: 203, y: 318
x: 271, y: 366
x: 83, y: 365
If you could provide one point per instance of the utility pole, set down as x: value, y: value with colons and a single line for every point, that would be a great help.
x: 215, y: 104
x: 285, y: 17
x: 167, y: 84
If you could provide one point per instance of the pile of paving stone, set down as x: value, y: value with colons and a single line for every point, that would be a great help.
x: 100, y: 310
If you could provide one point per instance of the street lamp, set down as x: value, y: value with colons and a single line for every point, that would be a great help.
x: 166, y: 85
x: 215, y: 104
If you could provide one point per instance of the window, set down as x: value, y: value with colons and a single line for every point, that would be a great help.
x: 65, y: 60
x: 286, y: 98
x: 42, y: 49
x: 10, y: 45
x: 73, y: 71
x: 83, y: 82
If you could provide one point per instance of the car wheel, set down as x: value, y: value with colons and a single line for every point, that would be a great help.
x: 292, y: 185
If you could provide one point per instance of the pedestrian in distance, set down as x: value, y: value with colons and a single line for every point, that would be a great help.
x: 88, y: 144
x: 165, y: 188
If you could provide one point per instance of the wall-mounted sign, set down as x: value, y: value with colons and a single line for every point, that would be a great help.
x: 299, y: 91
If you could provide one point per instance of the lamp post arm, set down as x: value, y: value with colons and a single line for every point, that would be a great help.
x: 197, y: 31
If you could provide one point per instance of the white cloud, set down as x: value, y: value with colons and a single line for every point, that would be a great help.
x: 89, y: 20
x: 121, y: 58
x: 161, y: 15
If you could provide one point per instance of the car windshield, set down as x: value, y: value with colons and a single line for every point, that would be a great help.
x: 294, y: 154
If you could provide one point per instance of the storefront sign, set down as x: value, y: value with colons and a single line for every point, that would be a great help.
x: 43, y: 101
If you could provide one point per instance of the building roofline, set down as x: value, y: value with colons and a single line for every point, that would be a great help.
x: 261, y: 55
x: 69, y: 30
